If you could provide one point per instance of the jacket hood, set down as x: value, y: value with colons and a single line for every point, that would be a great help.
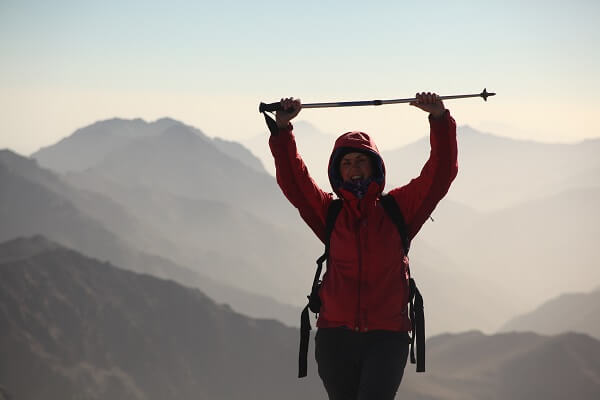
x: 351, y: 142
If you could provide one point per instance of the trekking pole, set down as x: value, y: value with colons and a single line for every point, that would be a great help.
x: 277, y: 107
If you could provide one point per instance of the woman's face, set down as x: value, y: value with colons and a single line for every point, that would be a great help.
x: 355, y: 166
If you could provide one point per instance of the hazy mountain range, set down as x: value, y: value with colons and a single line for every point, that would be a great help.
x: 232, y: 244
x: 205, y: 204
x: 570, y: 312
x: 73, y: 327
x: 221, y: 217
x: 36, y: 201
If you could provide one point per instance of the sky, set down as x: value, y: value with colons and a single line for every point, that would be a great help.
x: 67, y: 64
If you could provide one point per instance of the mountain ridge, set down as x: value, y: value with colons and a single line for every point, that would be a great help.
x: 35, y: 201
x: 91, y: 319
x: 95, y: 330
x: 579, y: 312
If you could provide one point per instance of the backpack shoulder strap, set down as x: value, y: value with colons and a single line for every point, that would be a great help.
x: 391, y: 208
x: 314, y: 302
x: 332, y: 213
x: 417, y: 315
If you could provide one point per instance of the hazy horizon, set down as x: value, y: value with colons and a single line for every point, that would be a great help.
x: 209, y: 64
x: 387, y: 146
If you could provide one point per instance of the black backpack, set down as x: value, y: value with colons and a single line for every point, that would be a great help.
x: 415, y: 299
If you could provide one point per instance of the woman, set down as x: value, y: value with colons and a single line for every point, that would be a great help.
x: 362, y: 338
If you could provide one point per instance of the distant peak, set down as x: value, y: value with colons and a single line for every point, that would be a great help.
x: 9, y: 158
x: 117, y: 120
x: 25, y: 247
x: 169, y: 120
x: 8, y: 153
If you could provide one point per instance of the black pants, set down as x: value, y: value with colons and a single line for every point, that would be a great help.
x: 361, y: 366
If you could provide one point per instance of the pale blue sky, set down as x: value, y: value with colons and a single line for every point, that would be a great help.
x: 66, y: 64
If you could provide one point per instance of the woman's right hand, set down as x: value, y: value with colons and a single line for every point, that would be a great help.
x: 290, y: 108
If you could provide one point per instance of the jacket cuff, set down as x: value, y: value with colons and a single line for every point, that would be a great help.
x: 287, y: 129
x: 441, y: 120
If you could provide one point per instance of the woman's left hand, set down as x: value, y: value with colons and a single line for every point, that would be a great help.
x: 429, y: 102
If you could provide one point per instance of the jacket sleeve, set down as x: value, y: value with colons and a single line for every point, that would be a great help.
x: 295, y: 182
x: 418, y: 198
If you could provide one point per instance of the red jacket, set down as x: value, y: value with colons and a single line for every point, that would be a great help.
x: 366, y: 283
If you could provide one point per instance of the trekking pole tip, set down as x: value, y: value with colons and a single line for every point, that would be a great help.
x: 485, y: 94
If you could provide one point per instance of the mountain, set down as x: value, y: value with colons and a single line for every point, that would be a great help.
x: 518, y: 366
x: 578, y: 312
x: 213, y: 213
x: 209, y: 207
x: 89, y: 145
x: 181, y: 162
x: 95, y: 205
x: 497, y: 172
x: 35, y: 201
x: 87, y: 329
x: 73, y: 327
x: 171, y: 155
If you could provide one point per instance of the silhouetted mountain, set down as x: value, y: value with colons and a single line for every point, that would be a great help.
x: 20, y: 249
x: 35, y: 201
x: 571, y: 312
x: 73, y: 327
x: 86, y: 329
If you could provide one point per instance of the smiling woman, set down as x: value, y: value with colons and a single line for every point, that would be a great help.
x: 362, y: 343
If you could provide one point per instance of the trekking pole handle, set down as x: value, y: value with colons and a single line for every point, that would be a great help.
x: 270, y: 107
